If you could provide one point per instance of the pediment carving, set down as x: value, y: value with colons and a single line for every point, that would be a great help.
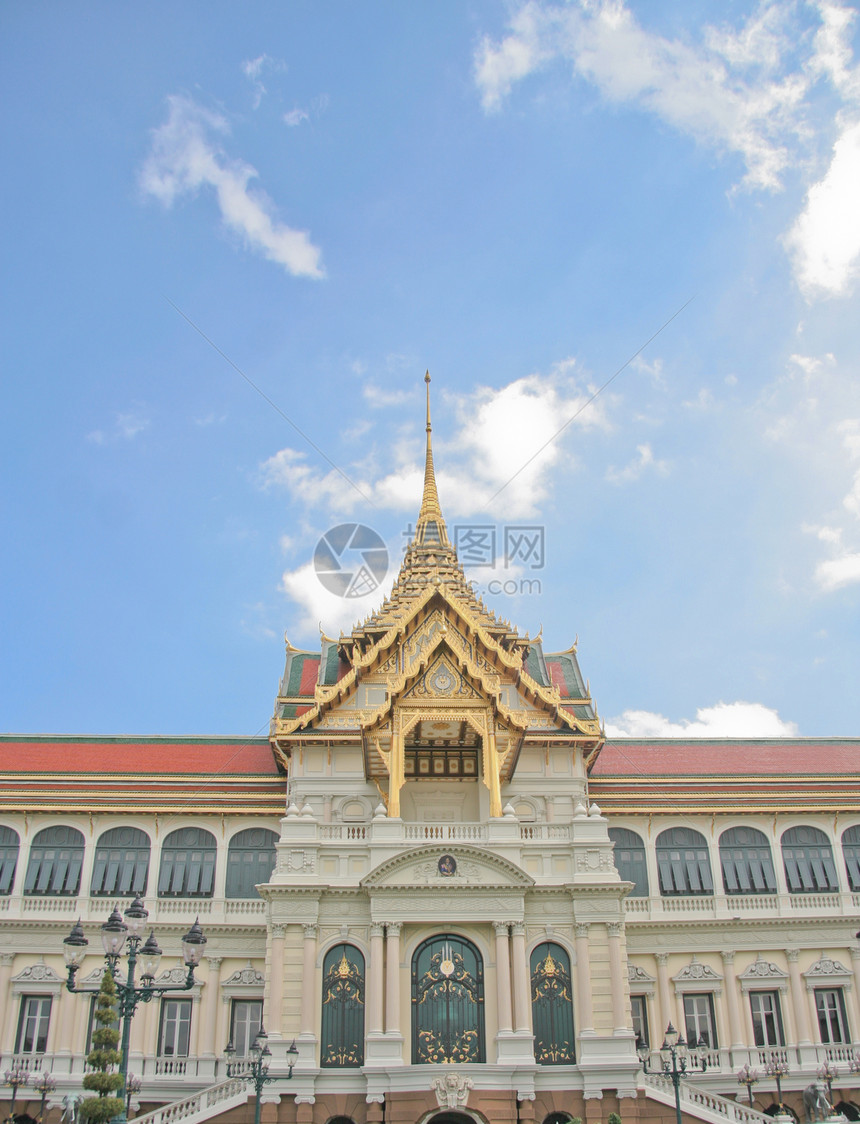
x: 449, y: 867
x: 442, y: 680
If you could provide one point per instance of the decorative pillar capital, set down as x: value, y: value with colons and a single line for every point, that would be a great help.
x: 377, y: 930
x: 310, y: 932
x: 855, y: 952
x: 518, y: 928
x: 214, y: 962
x: 501, y: 928
x: 793, y: 955
x: 392, y: 928
x: 616, y: 928
x: 662, y: 959
x: 6, y: 959
x: 581, y: 929
x: 278, y: 932
x: 728, y: 956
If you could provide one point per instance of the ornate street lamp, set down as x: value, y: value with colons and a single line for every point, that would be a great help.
x: 643, y: 1051
x: 256, y: 1068
x: 133, y: 1085
x: 777, y: 1069
x: 748, y: 1077
x: 674, y: 1055
x: 119, y: 934
x: 15, y: 1077
x: 828, y: 1073
x: 44, y: 1083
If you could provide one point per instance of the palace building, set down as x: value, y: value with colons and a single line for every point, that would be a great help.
x: 441, y: 890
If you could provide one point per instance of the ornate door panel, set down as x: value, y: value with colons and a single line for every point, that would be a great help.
x: 552, y: 1005
x: 343, y: 1007
x: 447, y: 1002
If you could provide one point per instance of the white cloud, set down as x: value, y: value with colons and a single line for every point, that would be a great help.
x: 728, y: 91
x: 126, y: 426
x: 487, y: 455
x: 724, y: 720
x: 756, y: 89
x: 642, y: 462
x: 813, y: 411
x: 185, y: 156
x: 253, y: 69
x: 295, y: 117
x: 825, y: 239
x: 320, y: 608
x: 377, y: 397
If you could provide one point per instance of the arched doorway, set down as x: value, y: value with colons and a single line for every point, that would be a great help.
x: 447, y: 1002
x: 451, y: 1118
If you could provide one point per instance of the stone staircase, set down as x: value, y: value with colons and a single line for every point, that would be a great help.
x: 201, y: 1106
x: 701, y: 1104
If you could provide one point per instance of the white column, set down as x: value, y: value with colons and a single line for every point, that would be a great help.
x: 583, y: 981
x: 855, y: 965
x: 503, y: 977
x: 798, y: 999
x: 273, y: 996
x: 736, y: 1032
x: 617, y: 976
x: 665, y: 997
x: 374, y: 983
x: 6, y: 1028
x: 522, y: 1006
x: 392, y: 977
x: 309, y: 979
x: 209, y: 1006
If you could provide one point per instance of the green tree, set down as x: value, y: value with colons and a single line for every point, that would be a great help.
x: 103, y: 1057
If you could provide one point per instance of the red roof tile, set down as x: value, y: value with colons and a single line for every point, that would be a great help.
x: 728, y: 757
x: 136, y: 755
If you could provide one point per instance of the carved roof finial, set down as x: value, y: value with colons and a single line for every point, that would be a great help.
x: 431, y: 526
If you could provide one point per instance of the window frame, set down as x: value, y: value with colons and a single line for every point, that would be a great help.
x: 238, y: 881
x: 240, y: 1047
x: 807, y: 872
x: 48, y: 860
x: 187, y: 869
x: 749, y: 865
x: 43, y: 1016
x: 691, y: 865
x: 707, y: 999
x: 760, y: 1018
x: 629, y: 868
x: 837, y: 1009
x: 9, y: 854
x: 121, y: 869
x: 851, y: 847
x: 640, y: 1033
x: 182, y: 1005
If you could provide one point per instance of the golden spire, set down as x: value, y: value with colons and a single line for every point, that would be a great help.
x: 431, y: 526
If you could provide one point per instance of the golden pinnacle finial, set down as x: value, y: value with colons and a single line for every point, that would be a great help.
x: 431, y: 525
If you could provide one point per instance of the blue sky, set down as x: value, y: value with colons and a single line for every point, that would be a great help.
x: 236, y: 236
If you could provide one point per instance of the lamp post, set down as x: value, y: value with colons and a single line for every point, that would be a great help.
x: 643, y: 1051
x: 133, y: 1085
x: 15, y: 1077
x: 44, y: 1083
x: 119, y: 934
x: 777, y: 1069
x: 674, y: 1055
x: 256, y: 1068
x: 748, y: 1077
x: 828, y: 1073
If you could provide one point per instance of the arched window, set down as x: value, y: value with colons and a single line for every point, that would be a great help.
x: 250, y: 861
x: 683, y: 862
x: 630, y: 860
x: 850, y: 852
x: 56, y: 858
x: 9, y: 844
x: 447, y: 1001
x: 342, y: 1035
x: 552, y: 1005
x: 122, y: 862
x: 558, y: 1118
x: 187, y: 864
x: 808, y: 861
x: 746, y: 862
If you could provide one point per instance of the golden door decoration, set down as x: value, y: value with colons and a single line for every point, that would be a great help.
x: 447, y: 1002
